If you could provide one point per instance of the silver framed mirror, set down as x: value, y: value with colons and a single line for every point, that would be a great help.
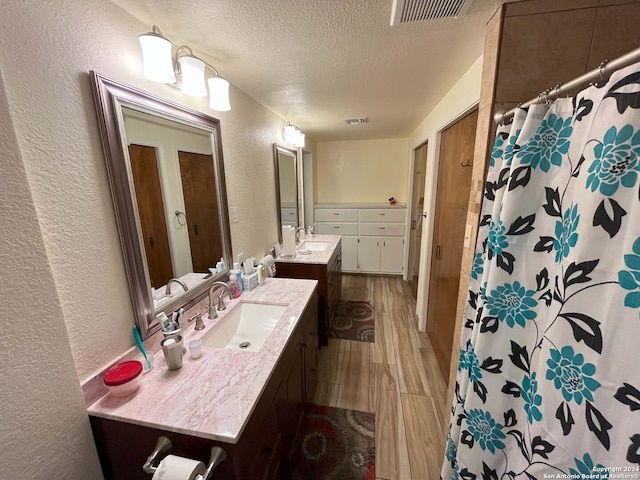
x: 166, y: 174
x: 285, y: 161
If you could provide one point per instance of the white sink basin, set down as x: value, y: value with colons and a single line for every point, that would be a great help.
x: 309, y: 246
x: 247, y: 323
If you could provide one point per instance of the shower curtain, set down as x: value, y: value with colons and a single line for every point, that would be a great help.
x: 548, y: 382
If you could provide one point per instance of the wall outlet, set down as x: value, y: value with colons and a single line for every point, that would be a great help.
x: 467, y: 236
x: 234, y: 214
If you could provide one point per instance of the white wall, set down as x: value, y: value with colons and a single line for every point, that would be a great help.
x: 362, y: 171
x: 462, y: 97
x: 44, y: 431
x: 66, y: 263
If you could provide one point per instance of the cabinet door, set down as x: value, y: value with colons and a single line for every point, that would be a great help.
x: 349, y: 254
x: 391, y: 254
x: 369, y: 254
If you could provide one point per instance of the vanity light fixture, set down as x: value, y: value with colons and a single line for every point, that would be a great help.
x: 184, y: 70
x: 293, y: 135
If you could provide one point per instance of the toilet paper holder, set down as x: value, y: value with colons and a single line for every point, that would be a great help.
x: 218, y: 455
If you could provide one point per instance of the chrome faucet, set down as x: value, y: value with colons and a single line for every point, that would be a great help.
x: 221, y: 305
x: 179, y: 282
x: 298, y: 234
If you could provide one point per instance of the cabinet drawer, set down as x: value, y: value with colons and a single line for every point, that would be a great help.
x: 289, y: 212
x: 382, y: 229
x: 336, y: 215
x: 381, y: 215
x: 335, y: 228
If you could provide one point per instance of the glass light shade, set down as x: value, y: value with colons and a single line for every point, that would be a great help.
x: 219, y: 94
x: 299, y: 140
x: 289, y: 133
x: 156, y: 55
x: 192, y: 69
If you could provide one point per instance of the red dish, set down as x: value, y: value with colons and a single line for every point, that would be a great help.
x: 122, y: 373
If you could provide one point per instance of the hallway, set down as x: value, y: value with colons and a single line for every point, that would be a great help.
x: 397, y: 378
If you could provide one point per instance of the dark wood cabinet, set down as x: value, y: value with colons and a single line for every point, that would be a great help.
x: 329, y: 277
x: 264, y: 449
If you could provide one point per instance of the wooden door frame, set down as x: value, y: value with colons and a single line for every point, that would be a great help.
x: 431, y: 190
x: 412, y: 167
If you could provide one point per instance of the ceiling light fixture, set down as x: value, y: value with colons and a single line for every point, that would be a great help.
x: 293, y: 135
x: 184, y: 70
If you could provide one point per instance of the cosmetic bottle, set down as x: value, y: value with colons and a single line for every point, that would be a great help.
x: 233, y: 285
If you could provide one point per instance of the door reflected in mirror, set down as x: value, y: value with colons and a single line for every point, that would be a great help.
x: 286, y: 172
x: 173, y: 175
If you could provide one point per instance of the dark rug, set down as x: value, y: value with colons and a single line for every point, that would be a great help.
x: 335, y: 444
x: 354, y: 320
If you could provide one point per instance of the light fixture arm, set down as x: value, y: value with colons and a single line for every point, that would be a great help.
x: 179, y: 51
x: 182, y: 69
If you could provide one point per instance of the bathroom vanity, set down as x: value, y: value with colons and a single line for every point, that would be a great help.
x: 319, y: 258
x: 249, y: 403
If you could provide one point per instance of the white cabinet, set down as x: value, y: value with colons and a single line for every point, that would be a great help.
x: 380, y: 254
x: 372, y: 235
x: 289, y: 216
x: 369, y: 254
x: 391, y: 254
x: 349, y: 254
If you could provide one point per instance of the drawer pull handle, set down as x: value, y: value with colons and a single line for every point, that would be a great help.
x: 382, y: 214
x: 313, y: 370
x: 382, y: 228
x: 336, y: 213
x: 335, y: 226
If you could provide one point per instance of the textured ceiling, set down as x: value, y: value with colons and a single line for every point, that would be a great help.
x: 314, y: 62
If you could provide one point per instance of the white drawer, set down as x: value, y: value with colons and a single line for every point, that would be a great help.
x: 336, y: 215
x: 382, y: 229
x: 381, y: 215
x: 336, y: 228
x: 289, y: 213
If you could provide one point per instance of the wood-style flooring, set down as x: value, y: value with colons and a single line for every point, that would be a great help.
x: 397, y: 378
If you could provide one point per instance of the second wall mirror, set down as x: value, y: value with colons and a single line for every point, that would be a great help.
x: 286, y: 169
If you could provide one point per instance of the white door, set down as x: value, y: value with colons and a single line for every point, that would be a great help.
x: 349, y: 254
x: 369, y: 254
x: 391, y: 254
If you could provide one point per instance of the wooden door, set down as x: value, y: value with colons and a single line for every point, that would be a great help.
x: 452, y: 199
x: 417, y: 210
x: 146, y: 181
x: 201, y: 209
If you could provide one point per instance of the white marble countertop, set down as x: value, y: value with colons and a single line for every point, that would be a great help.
x: 212, y: 396
x: 322, y: 256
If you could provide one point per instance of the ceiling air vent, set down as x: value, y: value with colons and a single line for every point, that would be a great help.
x: 407, y: 11
x: 354, y: 121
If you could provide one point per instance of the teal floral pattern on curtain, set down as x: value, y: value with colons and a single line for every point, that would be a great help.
x: 548, y: 382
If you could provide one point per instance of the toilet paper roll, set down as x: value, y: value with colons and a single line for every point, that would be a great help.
x: 173, y: 467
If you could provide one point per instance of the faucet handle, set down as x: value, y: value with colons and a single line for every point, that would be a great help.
x: 199, y: 322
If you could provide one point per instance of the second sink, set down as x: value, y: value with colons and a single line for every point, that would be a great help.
x: 246, y: 327
x: 312, y: 246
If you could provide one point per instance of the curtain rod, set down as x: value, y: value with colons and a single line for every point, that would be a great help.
x: 600, y: 74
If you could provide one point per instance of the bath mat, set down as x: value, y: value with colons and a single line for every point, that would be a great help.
x: 336, y: 444
x: 353, y: 321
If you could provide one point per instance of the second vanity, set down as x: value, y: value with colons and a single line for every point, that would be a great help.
x: 249, y: 403
x: 318, y: 257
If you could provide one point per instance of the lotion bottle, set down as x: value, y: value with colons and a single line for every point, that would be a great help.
x: 233, y: 285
